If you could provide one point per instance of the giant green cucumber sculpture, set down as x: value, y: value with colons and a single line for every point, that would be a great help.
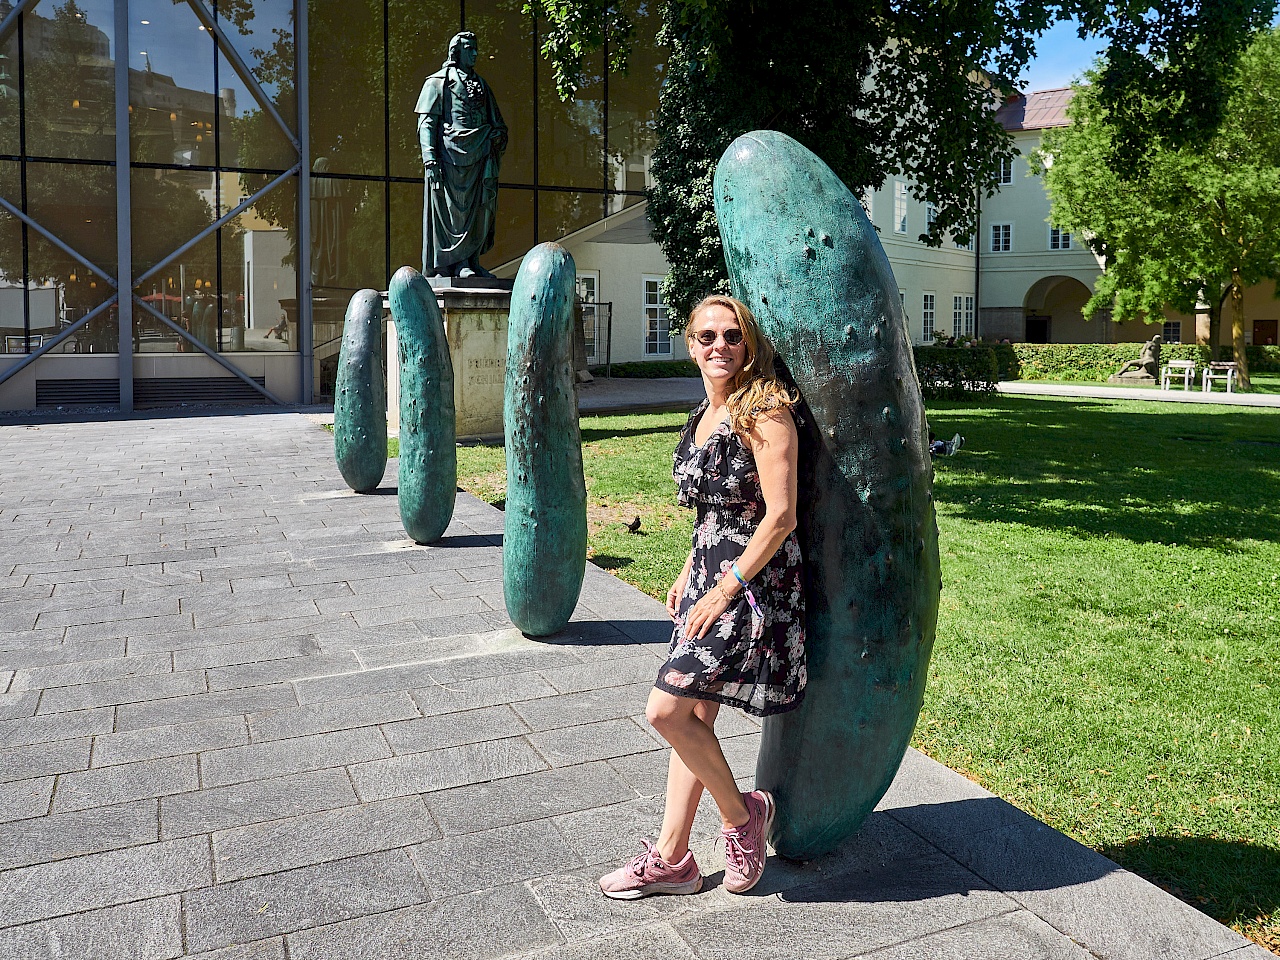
x: 544, y: 545
x: 360, y: 396
x: 803, y: 256
x: 428, y: 478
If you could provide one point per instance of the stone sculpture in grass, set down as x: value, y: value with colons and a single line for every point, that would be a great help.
x: 360, y: 396
x: 544, y: 547
x: 428, y: 445
x: 803, y: 256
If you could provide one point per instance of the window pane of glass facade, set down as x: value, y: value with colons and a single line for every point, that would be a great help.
x: 419, y: 33
x: 247, y: 136
x: 406, y: 225
x: 261, y: 33
x: 571, y: 135
x: 12, y: 310
x: 507, y: 62
x: 169, y: 208
x: 513, y: 236
x: 10, y: 142
x: 561, y: 213
x: 258, y: 275
x: 185, y: 291
x: 69, y: 80
x: 77, y: 203
x: 633, y: 104
x: 345, y: 59
x: 172, y: 90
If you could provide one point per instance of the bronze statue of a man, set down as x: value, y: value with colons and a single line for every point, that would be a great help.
x: 463, y: 139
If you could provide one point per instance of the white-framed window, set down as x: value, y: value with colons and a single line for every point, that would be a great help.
x: 1059, y: 239
x: 1171, y: 332
x: 899, y: 207
x: 1001, y: 237
x: 657, y: 328
x: 588, y: 284
x: 966, y: 245
x: 1006, y: 171
x: 930, y: 215
x: 902, y: 300
x: 957, y: 316
x: 968, y: 315
x: 928, y: 315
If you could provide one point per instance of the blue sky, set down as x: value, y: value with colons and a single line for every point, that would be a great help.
x: 1061, y: 58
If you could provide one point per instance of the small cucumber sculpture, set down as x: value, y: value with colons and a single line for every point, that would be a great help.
x: 428, y: 445
x: 803, y: 256
x: 544, y: 545
x: 360, y: 400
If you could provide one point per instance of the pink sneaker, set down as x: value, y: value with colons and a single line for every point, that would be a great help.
x: 647, y: 873
x: 744, y: 847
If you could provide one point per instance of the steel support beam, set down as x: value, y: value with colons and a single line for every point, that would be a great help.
x: 220, y: 222
x: 124, y: 207
x: 31, y: 358
x: 209, y: 352
x: 10, y: 22
x: 70, y: 252
x: 240, y: 67
x: 305, y: 328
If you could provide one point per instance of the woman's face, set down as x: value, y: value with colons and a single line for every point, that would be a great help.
x: 719, y: 361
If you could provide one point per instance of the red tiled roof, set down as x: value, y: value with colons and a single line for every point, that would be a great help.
x: 1036, y: 111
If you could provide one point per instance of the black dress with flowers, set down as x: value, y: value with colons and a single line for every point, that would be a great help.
x: 754, y: 661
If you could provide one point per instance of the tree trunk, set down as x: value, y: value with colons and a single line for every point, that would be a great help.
x: 1215, y: 321
x: 1237, y: 330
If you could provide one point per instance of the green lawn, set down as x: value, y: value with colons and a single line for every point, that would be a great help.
x: 1108, y: 636
x: 1268, y: 383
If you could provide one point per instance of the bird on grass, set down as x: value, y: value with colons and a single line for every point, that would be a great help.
x: 634, y: 526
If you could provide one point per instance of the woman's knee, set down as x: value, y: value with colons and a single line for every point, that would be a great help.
x: 664, y: 710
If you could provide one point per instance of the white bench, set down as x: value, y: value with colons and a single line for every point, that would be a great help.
x: 1219, y: 371
x: 1186, y: 369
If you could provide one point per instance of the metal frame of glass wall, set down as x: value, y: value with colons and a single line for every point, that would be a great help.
x: 330, y: 90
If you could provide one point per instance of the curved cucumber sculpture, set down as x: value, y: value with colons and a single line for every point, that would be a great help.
x: 803, y: 256
x: 544, y: 546
x: 360, y: 396
x: 428, y: 444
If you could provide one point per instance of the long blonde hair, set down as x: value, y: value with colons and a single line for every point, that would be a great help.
x: 754, y: 390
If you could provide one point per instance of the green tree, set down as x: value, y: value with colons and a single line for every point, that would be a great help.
x: 879, y: 88
x: 1201, y: 223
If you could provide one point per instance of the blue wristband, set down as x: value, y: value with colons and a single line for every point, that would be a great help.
x: 751, y: 600
x: 738, y: 574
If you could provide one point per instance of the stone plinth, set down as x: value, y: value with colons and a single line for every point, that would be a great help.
x: 475, y: 320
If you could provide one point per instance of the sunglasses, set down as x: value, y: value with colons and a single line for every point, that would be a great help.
x: 708, y: 337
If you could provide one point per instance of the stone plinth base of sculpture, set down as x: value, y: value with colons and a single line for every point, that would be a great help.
x: 1136, y: 377
x: 475, y: 321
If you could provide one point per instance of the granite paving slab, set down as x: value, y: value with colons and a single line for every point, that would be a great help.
x: 243, y: 717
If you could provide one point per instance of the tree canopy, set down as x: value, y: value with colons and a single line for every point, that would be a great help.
x: 1201, y: 223
x: 879, y: 88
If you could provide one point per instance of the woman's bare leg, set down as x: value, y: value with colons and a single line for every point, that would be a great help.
x: 684, y: 790
x: 699, y: 750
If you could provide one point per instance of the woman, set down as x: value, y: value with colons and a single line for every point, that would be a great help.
x: 738, y: 604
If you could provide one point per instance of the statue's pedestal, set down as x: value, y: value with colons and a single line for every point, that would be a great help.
x: 475, y: 323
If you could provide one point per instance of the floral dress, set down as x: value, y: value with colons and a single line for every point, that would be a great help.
x: 754, y: 661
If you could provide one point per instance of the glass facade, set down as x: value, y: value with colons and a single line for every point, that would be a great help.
x: 223, y: 172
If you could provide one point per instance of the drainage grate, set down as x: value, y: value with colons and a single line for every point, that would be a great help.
x: 171, y: 391
x: 63, y: 393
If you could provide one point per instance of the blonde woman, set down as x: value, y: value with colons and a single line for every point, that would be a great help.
x: 738, y: 604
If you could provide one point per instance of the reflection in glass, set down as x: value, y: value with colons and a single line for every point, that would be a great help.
x: 247, y: 134
x: 514, y: 232
x: 259, y: 278
x: 418, y: 38
x: 12, y: 308
x: 185, y: 291
x: 262, y: 34
x: 633, y: 105
x: 406, y: 224
x: 345, y: 59
x: 571, y: 135
x: 560, y: 213
x: 507, y: 63
x: 172, y: 92
x: 169, y: 208
x: 10, y: 142
x: 77, y: 204
x: 69, y: 79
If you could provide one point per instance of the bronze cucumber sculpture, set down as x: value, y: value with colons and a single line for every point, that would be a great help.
x: 360, y: 396
x: 802, y: 254
x: 544, y: 546
x: 428, y: 478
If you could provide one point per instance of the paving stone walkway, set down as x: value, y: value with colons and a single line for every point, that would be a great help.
x: 242, y: 717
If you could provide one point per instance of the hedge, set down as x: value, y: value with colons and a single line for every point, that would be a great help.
x: 952, y: 373
x: 650, y: 369
x: 1092, y: 362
